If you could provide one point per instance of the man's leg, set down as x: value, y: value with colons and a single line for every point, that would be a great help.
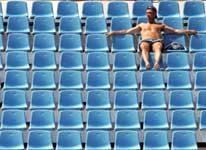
x: 157, y: 47
x: 145, y: 48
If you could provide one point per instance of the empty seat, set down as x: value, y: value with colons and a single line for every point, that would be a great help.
x: 193, y: 8
x: 121, y: 23
x: 70, y: 25
x: 123, y: 43
x: 16, y: 8
x: 197, y: 23
x: 200, y: 80
x: 197, y: 43
x: 42, y: 8
x: 201, y: 103
x: 203, y: 120
x: 95, y: 25
x: 139, y: 9
x: 44, y: 42
x: 174, y: 22
x: 67, y: 8
x: 168, y: 9
x: 18, y: 25
x: 199, y: 61
x: 92, y: 9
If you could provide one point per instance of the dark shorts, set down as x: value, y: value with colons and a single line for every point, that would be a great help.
x: 151, y: 42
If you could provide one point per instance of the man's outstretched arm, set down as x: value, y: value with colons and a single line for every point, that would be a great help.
x: 168, y: 29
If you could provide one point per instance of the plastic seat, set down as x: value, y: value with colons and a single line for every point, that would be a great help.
x: 127, y: 120
x: 197, y: 43
x: 201, y: 103
x: 183, y: 120
x: 70, y: 120
x: 98, y: 99
x: 95, y: 25
x: 199, y: 61
x: 184, y: 140
x: 44, y: 42
x: 42, y: 99
x: 70, y: 42
x: 127, y: 140
x: 42, y: 120
x: 1, y: 31
x: 197, y: 23
x: 141, y: 20
x: 16, y: 79
x: 16, y: 8
x: 18, y: 24
x: 200, y: 80
x: 97, y: 61
x: 123, y: 43
x: 42, y: 8
x: 70, y: 25
x: 70, y: 99
x: 139, y: 9
x: 67, y: 8
x: 121, y: 23
x: 92, y: 9
x: 74, y: 138
x: 1, y: 14
x: 174, y: 22
x: 125, y: 99
x: 13, y: 119
x: 39, y: 139
x: 96, y: 140
x: 70, y: 80
x: 17, y: 61
x: 96, y: 43
x: 179, y: 80
x: 43, y: 80
x: 44, y: 60
x: 203, y: 120
x: 18, y: 42
x: 71, y: 61
x: 117, y: 9
x: 11, y: 139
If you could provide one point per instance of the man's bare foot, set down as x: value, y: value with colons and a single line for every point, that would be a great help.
x: 147, y: 66
x: 156, y: 66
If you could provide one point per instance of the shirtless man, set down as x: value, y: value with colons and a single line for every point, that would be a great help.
x: 151, y: 36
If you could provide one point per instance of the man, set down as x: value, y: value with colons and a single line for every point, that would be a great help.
x: 151, y: 36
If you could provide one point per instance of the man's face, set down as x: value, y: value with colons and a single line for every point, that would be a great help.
x: 150, y: 14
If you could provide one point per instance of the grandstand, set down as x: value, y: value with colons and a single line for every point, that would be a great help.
x: 66, y: 86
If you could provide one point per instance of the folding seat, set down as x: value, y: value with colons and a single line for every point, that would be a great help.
x: 67, y: 8
x: 71, y: 61
x: 97, y: 139
x: 174, y: 22
x: 18, y: 42
x: 70, y: 42
x: 139, y: 9
x: 42, y: 8
x: 11, y: 139
x: 177, y: 61
x: 16, y: 8
x: 13, y: 120
x: 42, y: 120
x: 197, y: 43
x: 197, y: 23
x: 44, y: 60
x: 92, y: 9
x: 39, y: 139
x: 97, y: 80
x: 184, y: 140
x: 141, y: 20
x: 201, y: 102
x: 43, y: 80
x: 70, y: 99
x: 42, y: 99
x: 126, y: 99
x: 70, y: 120
x: 70, y: 25
x: 19, y: 24
x: 127, y: 140
x: 1, y: 24
x: 70, y: 80
x: 16, y: 79
x: 97, y: 61
x: 95, y: 25
x: 200, y: 80
x: 16, y: 60
x: 123, y: 43
x: 96, y: 43
x: 179, y: 80
x: 183, y: 120
x: 125, y: 80
x: 156, y: 140
x: 74, y: 138
x: 199, y: 61
x: 203, y: 120
x: 44, y: 25
x: 152, y: 80
x: 120, y: 23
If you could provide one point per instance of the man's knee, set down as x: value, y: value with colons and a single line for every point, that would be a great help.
x: 157, y: 46
x: 145, y: 46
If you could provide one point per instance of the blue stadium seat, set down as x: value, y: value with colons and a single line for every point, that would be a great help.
x: 1, y: 25
x: 120, y: 23
x: 174, y: 22
x: 200, y: 80
x: 92, y: 9
x: 141, y: 20
x: 67, y: 8
x: 127, y: 140
x: 70, y: 80
x: 43, y: 80
x: 1, y: 13
x: 11, y: 139
x: 126, y: 99
x: 70, y: 25
x: 98, y: 99
x: 123, y: 43
x: 71, y: 61
x: 98, y: 120
x: 19, y: 24
x: 127, y: 120
x: 201, y: 103
x: 197, y: 23
x: 197, y: 43
x: 13, y: 120
x: 95, y: 25
x: 74, y: 138
x: 18, y: 42
x: 139, y: 9
x: 184, y: 140
x: 96, y: 140
x: 152, y: 80
x: 42, y: 99
x: 70, y: 120
x: 125, y: 80
x: 70, y: 42
x: 96, y: 43
x: 97, y: 61
x: 16, y: 8
x: 97, y: 80
x: 42, y: 8
x: 16, y: 60
x: 16, y: 79
x: 44, y: 42
x: 199, y: 61
x: 153, y: 100
x: 179, y: 80
x: 203, y: 120
x: 156, y: 140
x: 44, y: 60
x: 1, y: 64
x: 42, y: 120
x: 70, y: 99
x: 183, y: 120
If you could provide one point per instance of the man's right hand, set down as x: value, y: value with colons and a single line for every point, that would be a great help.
x: 109, y: 34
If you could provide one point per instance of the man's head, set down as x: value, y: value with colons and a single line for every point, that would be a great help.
x: 151, y: 12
